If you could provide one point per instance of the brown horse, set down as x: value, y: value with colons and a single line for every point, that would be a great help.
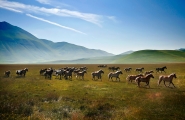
x: 168, y: 78
x: 149, y: 72
x: 133, y: 77
x: 128, y: 69
x: 139, y: 69
x: 144, y: 79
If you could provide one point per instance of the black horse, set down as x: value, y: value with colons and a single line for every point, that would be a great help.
x: 42, y: 71
x: 161, y: 69
x: 48, y: 73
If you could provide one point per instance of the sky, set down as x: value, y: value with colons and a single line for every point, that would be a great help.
x: 115, y: 26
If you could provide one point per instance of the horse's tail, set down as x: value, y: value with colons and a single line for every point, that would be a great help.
x: 109, y: 75
x: 160, y: 79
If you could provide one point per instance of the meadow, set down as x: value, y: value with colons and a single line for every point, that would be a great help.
x: 36, y: 98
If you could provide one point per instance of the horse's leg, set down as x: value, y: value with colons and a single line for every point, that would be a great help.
x: 165, y: 84
x: 173, y: 84
x: 119, y: 79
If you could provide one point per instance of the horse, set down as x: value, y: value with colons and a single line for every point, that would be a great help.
x: 144, y: 79
x: 97, y: 74
x: 133, y: 77
x: 68, y: 74
x: 161, y: 69
x: 48, y: 73
x: 22, y: 72
x: 148, y: 72
x: 59, y: 72
x: 81, y: 74
x: 128, y: 69
x: 139, y: 69
x: 114, y: 74
x: 83, y: 68
x: 76, y: 71
x: 168, y: 78
x: 42, y: 71
x: 103, y: 66
x: 7, y: 73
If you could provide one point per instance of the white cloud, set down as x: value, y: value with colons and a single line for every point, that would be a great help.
x: 89, y: 17
x: 113, y: 18
x: 44, y: 1
x: 56, y: 24
x: 11, y: 9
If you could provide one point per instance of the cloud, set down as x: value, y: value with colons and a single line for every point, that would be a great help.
x: 44, y: 1
x: 113, y: 18
x: 89, y: 17
x: 11, y: 9
x: 56, y: 24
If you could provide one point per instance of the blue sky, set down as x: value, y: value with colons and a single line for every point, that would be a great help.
x: 115, y: 26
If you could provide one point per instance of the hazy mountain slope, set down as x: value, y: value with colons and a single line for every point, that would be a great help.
x: 19, y: 46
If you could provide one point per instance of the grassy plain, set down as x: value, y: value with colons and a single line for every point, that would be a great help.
x: 34, y: 97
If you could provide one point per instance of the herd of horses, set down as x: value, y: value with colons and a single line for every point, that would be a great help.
x: 68, y: 72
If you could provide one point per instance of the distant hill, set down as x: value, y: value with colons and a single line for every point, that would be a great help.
x: 127, y: 52
x: 153, y: 56
x: 20, y: 46
x: 137, y: 57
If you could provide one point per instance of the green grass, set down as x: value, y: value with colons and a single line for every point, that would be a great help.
x: 34, y: 97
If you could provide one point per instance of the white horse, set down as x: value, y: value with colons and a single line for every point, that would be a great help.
x: 114, y: 74
x: 168, y: 78
x: 97, y: 74
x: 81, y: 74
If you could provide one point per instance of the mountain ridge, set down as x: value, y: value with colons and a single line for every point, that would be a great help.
x: 20, y: 46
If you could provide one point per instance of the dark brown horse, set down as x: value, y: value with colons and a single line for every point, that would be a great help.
x: 139, y: 69
x: 161, y: 69
x: 42, y: 71
x: 128, y: 69
x: 149, y: 72
x: 145, y: 79
x: 7, y: 73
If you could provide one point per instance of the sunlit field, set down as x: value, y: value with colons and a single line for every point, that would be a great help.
x: 37, y: 98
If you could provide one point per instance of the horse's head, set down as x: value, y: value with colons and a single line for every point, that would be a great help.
x: 150, y: 75
x: 101, y: 71
x: 120, y: 72
x: 26, y: 69
x: 174, y: 75
x: 85, y: 71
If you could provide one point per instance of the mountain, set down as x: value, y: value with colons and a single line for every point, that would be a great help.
x: 182, y: 49
x: 20, y: 46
